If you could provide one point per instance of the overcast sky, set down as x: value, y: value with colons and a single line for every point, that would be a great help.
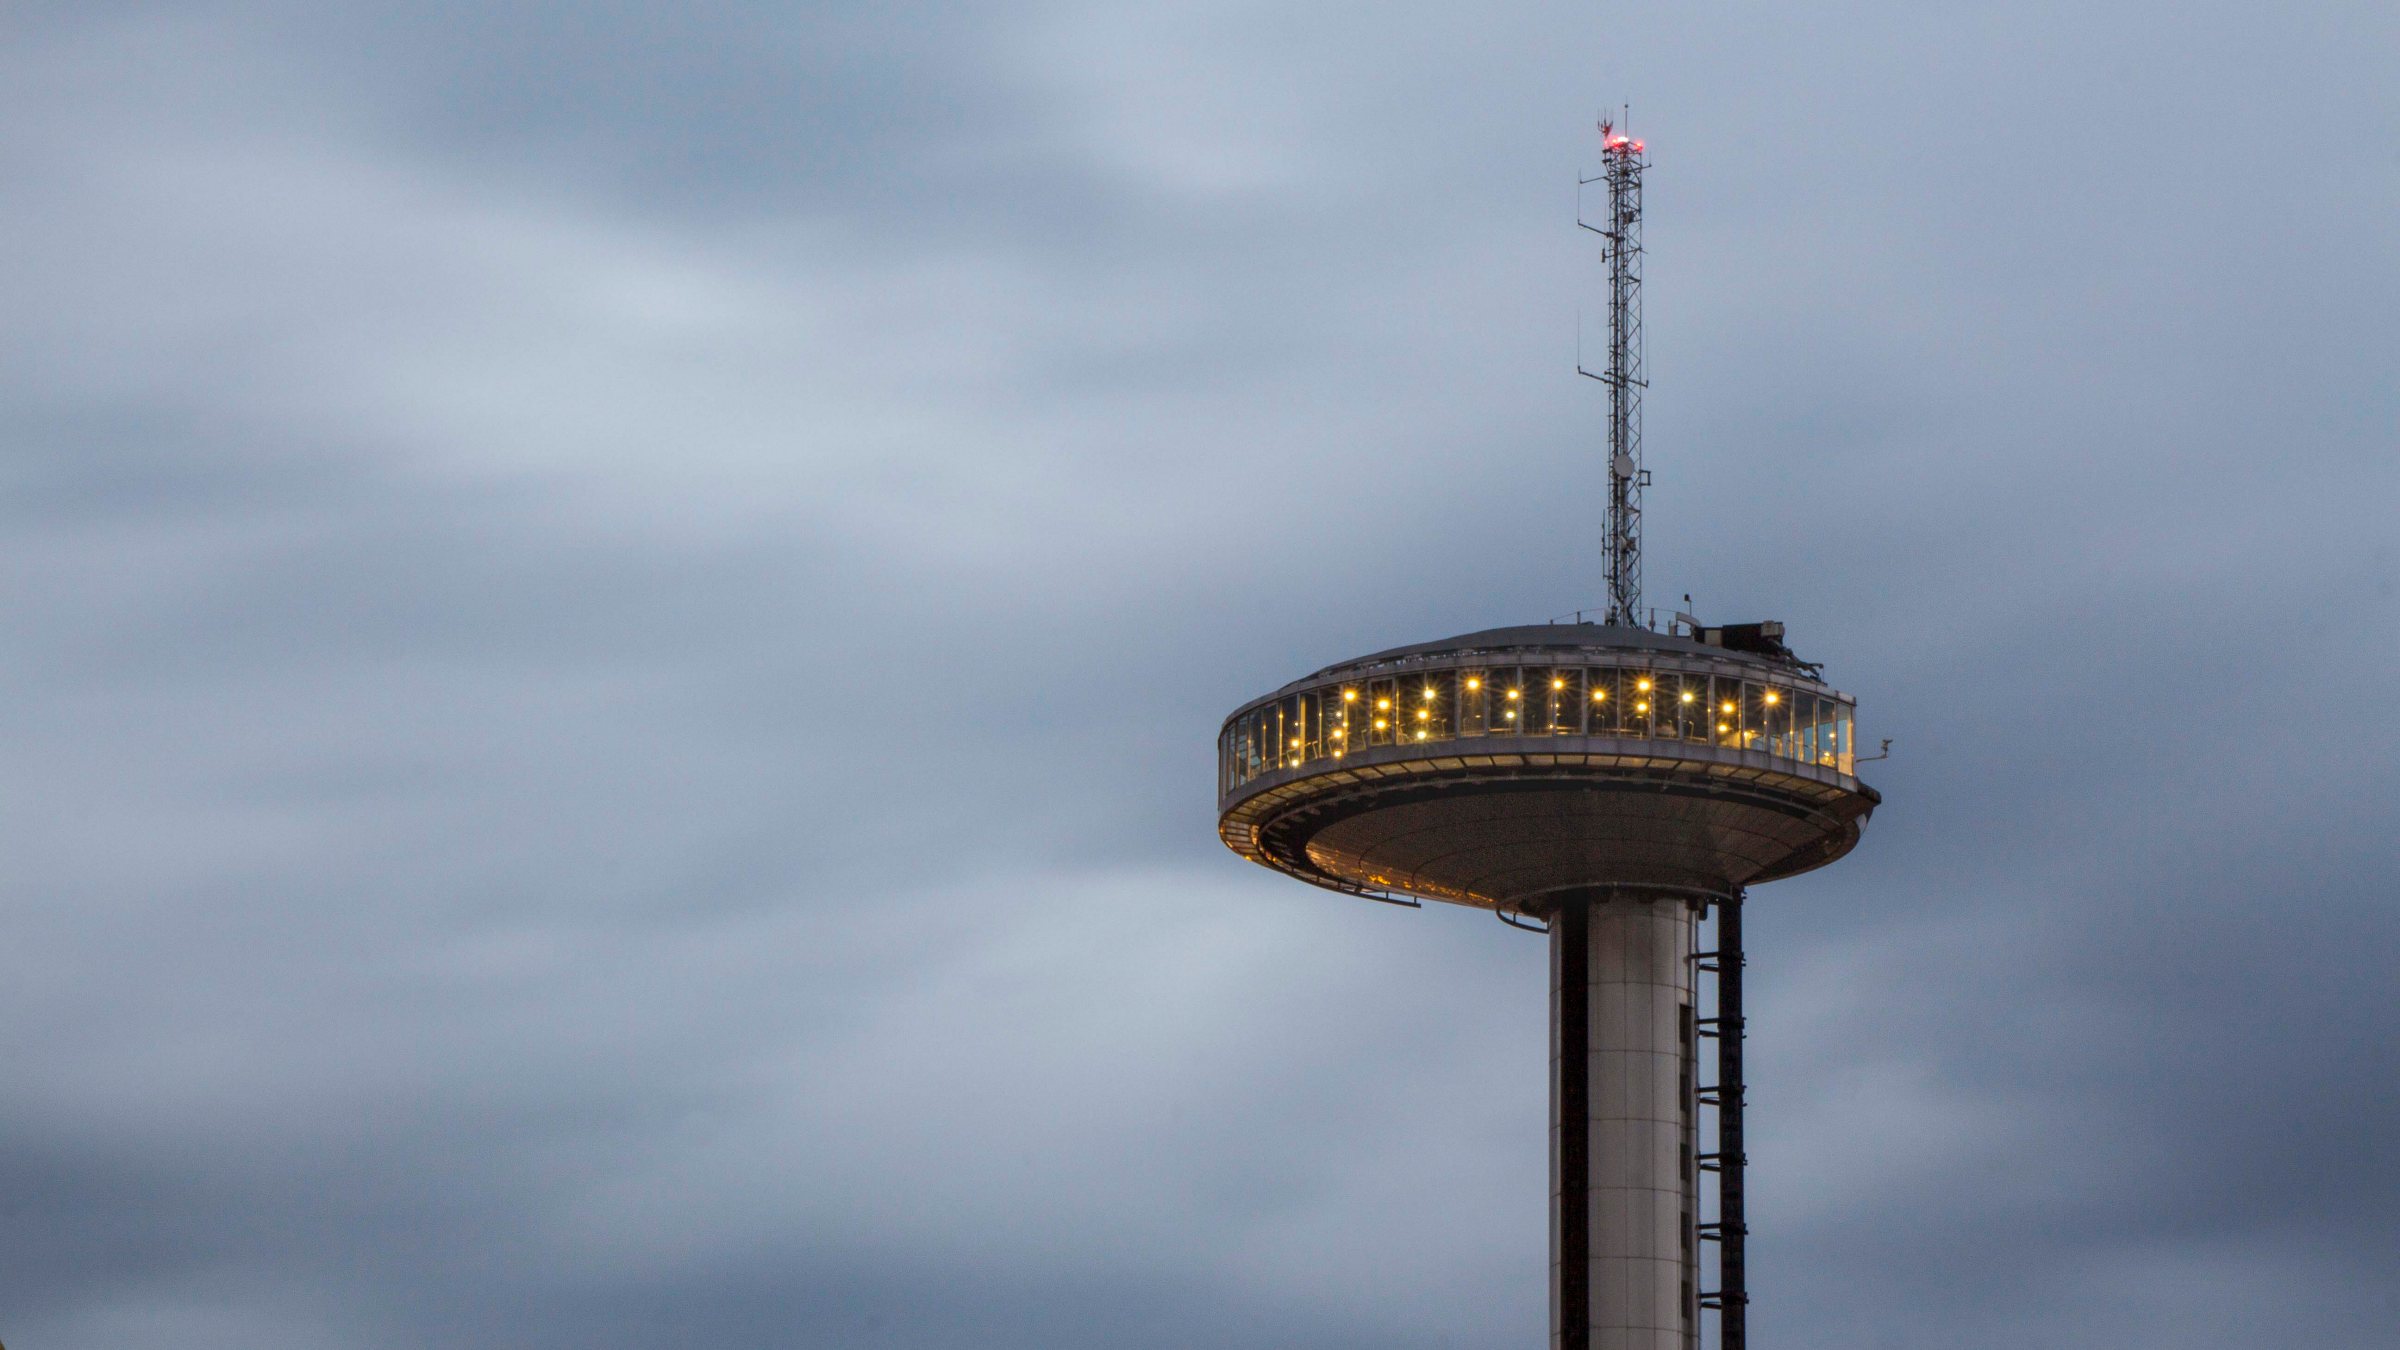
x: 618, y: 613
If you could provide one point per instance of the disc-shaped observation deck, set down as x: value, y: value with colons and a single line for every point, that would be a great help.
x: 1508, y: 768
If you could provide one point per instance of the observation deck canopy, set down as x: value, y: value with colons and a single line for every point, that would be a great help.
x: 1506, y: 768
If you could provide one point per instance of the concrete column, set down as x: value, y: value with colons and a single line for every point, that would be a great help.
x: 1622, y: 1244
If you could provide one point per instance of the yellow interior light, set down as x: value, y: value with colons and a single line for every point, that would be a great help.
x: 1429, y: 693
x: 1473, y: 683
x: 1513, y: 693
x: 1383, y: 703
x: 1728, y: 706
x: 1295, y: 742
x: 1772, y: 697
x: 1380, y: 724
x: 1687, y: 695
x: 1422, y: 714
x: 1599, y: 696
x: 1420, y: 735
x: 1558, y: 684
x: 1643, y: 685
x: 1722, y: 727
x: 1512, y: 714
x: 1643, y: 706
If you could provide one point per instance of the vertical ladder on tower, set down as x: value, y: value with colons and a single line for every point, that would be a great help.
x: 1721, y: 1133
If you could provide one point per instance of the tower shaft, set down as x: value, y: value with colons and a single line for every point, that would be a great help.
x: 1623, y: 1186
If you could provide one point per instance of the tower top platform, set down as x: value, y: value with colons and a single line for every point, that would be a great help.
x: 1758, y: 640
x: 1506, y: 767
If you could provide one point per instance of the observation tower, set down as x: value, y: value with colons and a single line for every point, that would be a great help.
x: 1617, y: 786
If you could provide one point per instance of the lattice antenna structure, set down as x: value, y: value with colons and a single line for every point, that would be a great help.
x: 1623, y: 160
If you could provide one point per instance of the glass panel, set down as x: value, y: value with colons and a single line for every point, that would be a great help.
x: 1846, y: 750
x: 1804, y: 727
x: 1566, y: 701
x: 1778, y: 720
x: 1691, y: 707
x: 1437, y: 699
x: 1536, y: 708
x: 1725, y: 711
x: 1508, y: 702
x: 1312, y: 726
x: 1473, y: 694
x: 1602, y: 703
x: 1641, y: 714
x: 1380, y: 701
x: 1345, y: 705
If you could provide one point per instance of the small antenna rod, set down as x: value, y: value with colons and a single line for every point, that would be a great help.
x: 1623, y: 160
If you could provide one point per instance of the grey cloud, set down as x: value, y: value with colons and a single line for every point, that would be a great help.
x: 620, y: 616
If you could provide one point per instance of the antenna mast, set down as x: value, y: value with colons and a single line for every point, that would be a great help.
x: 1624, y: 161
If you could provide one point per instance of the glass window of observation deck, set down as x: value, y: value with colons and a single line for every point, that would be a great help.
x: 1474, y: 691
x: 1603, y: 697
x: 1640, y: 713
x: 1507, y: 701
x: 1534, y: 710
x: 1435, y: 713
x: 1725, y: 711
x: 1690, y: 706
x: 1758, y: 715
x: 1777, y: 721
x: 1566, y: 696
x: 1379, y: 711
